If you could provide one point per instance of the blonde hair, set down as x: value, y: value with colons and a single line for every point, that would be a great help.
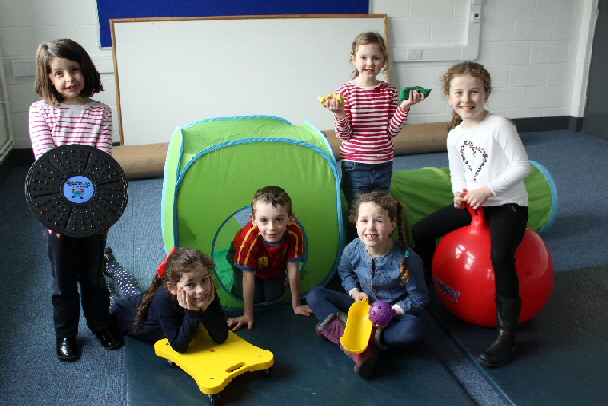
x: 472, y: 69
x: 394, y: 209
x: 370, y: 38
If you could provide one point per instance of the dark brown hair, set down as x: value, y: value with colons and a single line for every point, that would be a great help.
x: 183, y: 260
x: 70, y: 50
x: 395, y: 213
x: 370, y: 38
x: 273, y: 195
x: 473, y: 69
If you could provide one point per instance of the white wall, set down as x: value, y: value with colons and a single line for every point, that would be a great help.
x: 537, y: 51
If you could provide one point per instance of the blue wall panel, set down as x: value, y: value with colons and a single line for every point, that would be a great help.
x: 109, y: 9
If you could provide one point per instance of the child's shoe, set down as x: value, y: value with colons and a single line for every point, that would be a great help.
x: 67, y: 349
x: 110, y: 339
x: 366, y: 361
x: 332, y: 328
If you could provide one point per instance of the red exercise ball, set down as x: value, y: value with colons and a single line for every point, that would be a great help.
x: 463, y: 274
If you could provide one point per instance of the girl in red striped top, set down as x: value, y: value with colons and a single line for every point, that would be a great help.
x: 369, y: 119
x: 66, y: 78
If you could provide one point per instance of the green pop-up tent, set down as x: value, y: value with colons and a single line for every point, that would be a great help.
x: 215, y: 166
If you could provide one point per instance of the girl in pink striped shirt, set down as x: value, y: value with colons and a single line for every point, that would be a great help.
x: 66, y: 78
x: 368, y: 121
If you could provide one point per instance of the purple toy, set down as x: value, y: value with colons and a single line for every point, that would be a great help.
x: 381, y: 313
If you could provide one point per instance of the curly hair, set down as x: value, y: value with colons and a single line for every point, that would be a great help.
x: 182, y: 261
x: 473, y: 69
x: 70, y: 50
x: 370, y: 38
x: 395, y: 213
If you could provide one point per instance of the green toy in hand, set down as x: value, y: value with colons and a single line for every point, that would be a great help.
x: 405, y: 92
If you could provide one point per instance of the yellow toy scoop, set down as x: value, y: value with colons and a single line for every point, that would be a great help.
x: 323, y: 100
x: 358, y: 328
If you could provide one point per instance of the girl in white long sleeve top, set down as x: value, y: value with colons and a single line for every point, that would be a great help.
x: 488, y: 165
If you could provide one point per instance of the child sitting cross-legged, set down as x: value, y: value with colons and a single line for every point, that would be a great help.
x: 377, y: 268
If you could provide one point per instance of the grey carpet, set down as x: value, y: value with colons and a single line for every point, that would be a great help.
x: 562, y: 353
x: 30, y: 373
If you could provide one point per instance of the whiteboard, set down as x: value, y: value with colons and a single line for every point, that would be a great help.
x: 172, y: 72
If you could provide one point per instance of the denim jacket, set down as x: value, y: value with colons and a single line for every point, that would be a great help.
x: 379, y: 278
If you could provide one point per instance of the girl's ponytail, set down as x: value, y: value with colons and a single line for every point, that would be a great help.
x: 456, y: 120
x: 142, y: 311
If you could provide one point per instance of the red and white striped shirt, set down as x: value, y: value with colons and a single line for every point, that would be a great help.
x: 66, y: 124
x: 373, y: 119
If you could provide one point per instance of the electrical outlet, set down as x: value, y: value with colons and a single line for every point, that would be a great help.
x: 414, y: 54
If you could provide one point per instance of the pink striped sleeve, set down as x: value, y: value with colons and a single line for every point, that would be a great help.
x: 104, y: 140
x: 40, y: 132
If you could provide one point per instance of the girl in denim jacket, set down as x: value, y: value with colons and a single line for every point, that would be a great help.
x: 375, y: 267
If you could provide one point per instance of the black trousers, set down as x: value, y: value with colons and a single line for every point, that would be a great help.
x: 74, y: 261
x: 507, y: 228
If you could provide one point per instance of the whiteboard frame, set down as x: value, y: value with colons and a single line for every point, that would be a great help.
x: 159, y: 87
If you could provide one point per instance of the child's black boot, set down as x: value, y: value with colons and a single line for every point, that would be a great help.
x: 497, y: 353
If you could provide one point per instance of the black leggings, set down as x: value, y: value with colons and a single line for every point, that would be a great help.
x: 507, y: 227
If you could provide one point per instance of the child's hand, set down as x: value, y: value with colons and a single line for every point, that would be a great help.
x: 51, y: 232
x: 384, y: 325
x: 336, y: 107
x: 459, y: 199
x: 359, y: 296
x: 184, y: 300
x: 476, y: 198
x: 209, y: 297
x: 415, y: 98
x: 239, y: 322
x: 303, y: 310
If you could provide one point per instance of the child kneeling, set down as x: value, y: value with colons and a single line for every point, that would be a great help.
x: 271, y: 243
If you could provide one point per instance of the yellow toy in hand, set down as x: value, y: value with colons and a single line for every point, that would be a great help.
x: 336, y: 96
x: 358, y: 328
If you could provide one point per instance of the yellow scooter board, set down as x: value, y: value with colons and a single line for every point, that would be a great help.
x: 214, y: 365
x: 358, y: 328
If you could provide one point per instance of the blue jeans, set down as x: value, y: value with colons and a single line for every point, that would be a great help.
x: 402, y: 330
x: 359, y: 178
x: 266, y: 290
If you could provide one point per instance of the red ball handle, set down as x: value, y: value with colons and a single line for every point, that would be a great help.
x: 478, y: 222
